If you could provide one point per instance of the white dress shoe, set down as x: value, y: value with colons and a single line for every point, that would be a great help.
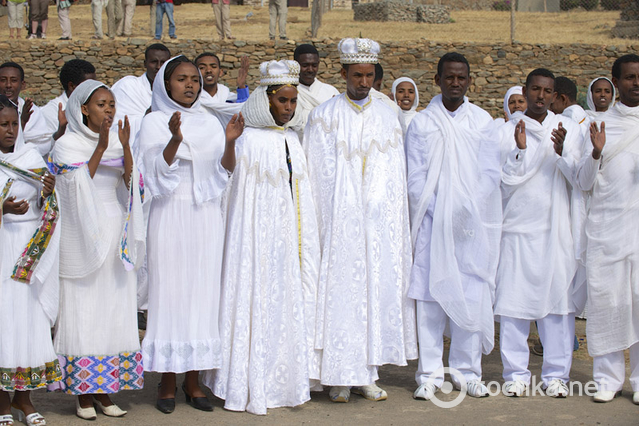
x: 110, y: 410
x: 476, y: 389
x: 371, y: 392
x: 515, y: 388
x: 557, y: 389
x: 425, y: 391
x: 605, y: 396
x: 635, y: 398
x: 340, y: 394
x: 85, y: 413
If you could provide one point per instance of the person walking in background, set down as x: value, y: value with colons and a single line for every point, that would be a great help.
x: 222, y: 9
x: 16, y: 16
x: 164, y: 7
x: 63, y: 18
x: 277, y: 10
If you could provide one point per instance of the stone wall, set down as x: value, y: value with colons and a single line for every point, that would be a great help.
x: 494, y: 67
x: 400, y: 11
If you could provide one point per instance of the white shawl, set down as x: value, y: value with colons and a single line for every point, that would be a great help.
x: 218, y: 106
x: 515, y: 90
x: 462, y: 173
x: 84, y: 242
x: 203, y: 144
x: 257, y: 114
x: 406, y: 116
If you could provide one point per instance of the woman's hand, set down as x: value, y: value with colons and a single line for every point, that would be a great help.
x: 48, y: 184
x: 12, y: 206
x: 124, y: 132
x: 175, y: 127
x: 103, y: 136
x: 235, y: 127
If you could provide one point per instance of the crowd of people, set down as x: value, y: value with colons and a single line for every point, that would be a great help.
x: 293, y: 238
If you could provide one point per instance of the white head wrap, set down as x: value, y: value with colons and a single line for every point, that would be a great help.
x: 515, y: 90
x: 358, y: 51
x: 590, y: 100
x: 73, y: 111
x: 161, y: 101
x: 256, y: 109
x: 406, y: 80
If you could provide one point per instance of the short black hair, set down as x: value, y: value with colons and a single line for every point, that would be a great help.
x: 379, y: 72
x: 303, y: 49
x: 5, y: 102
x: 16, y: 66
x: 205, y: 54
x: 542, y: 72
x: 565, y: 86
x: 625, y: 59
x: 75, y: 71
x: 156, y: 46
x: 451, y: 57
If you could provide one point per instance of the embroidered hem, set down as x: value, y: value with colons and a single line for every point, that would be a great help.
x: 22, y: 379
x: 102, y: 374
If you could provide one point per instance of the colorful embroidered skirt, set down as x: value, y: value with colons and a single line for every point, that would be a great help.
x: 29, y: 378
x: 102, y: 374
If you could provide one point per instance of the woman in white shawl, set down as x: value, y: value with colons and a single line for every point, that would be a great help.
x: 513, y: 101
x: 186, y: 159
x: 600, y: 97
x: 102, y: 235
x: 28, y: 272
x: 271, y: 259
x: 404, y: 92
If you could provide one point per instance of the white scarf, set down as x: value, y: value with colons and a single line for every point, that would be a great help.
x: 515, y: 90
x: 257, y: 113
x: 203, y: 142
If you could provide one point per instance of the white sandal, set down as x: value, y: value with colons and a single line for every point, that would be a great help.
x: 6, y: 420
x: 340, y: 394
x: 33, y: 419
x: 371, y: 392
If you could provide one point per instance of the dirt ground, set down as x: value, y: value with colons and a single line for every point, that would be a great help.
x: 196, y: 21
x: 399, y: 409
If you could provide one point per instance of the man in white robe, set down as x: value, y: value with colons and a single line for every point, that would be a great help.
x: 356, y: 165
x: 33, y: 127
x: 455, y: 204
x: 565, y: 103
x: 133, y: 94
x: 216, y: 98
x: 311, y: 91
x: 537, y: 259
x: 72, y: 74
x: 608, y: 169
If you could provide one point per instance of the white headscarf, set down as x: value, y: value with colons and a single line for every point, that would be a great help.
x: 515, y: 90
x: 203, y: 142
x: 406, y: 116
x: 591, y: 103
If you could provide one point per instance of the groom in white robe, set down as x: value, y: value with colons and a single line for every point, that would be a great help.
x: 608, y: 169
x: 311, y: 91
x: 537, y: 259
x: 356, y: 165
x: 455, y: 205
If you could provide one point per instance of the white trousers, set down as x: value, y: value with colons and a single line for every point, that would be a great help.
x: 465, y: 347
x: 609, y: 371
x: 65, y: 22
x: 556, y: 333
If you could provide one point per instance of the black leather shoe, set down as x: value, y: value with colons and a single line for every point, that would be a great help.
x: 141, y: 321
x: 167, y: 405
x: 200, y: 403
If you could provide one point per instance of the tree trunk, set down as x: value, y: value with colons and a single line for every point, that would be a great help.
x: 316, y: 16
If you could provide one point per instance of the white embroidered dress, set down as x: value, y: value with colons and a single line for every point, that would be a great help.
x: 185, y: 236
x: 357, y: 169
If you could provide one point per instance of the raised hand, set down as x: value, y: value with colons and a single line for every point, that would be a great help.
x: 243, y: 71
x: 124, y: 131
x: 558, y: 137
x: 48, y: 184
x: 175, y: 127
x: 12, y: 206
x: 520, y: 134
x: 235, y: 127
x: 105, y: 127
x: 598, y: 139
x: 27, y: 110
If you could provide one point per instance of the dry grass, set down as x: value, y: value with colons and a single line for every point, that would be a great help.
x: 197, y: 21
